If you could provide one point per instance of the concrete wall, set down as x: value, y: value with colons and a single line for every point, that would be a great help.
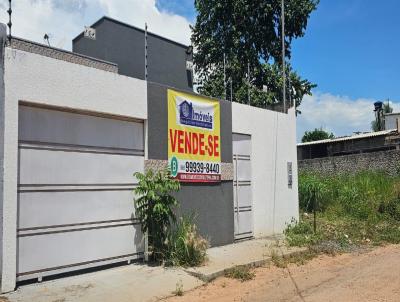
x: 273, y: 139
x: 47, y: 81
x: 213, y: 203
x: 388, y: 161
x: 124, y: 44
x: 391, y: 120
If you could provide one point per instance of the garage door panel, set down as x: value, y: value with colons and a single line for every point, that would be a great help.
x: 38, y: 209
x: 75, y: 191
x: 78, y: 129
x: 60, y: 167
x: 75, y: 247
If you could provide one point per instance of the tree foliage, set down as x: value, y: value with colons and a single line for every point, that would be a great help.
x: 316, y: 135
x: 248, y: 33
x: 155, y: 207
x: 387, y: 108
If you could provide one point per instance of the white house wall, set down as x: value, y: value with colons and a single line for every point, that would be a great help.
x: 46, y: 81
x: 273, y: 139
x: 391, y: 121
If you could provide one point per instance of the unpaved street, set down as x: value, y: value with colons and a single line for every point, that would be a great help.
x: 370, y: 276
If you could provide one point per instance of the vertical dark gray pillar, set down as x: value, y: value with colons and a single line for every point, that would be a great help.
x: 212, y: 204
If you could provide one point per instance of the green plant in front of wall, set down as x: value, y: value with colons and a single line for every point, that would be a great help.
x: 155, y: 208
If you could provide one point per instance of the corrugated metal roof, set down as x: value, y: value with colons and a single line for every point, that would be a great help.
x: 346, y: 138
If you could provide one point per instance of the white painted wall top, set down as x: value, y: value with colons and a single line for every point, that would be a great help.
x: 55, y: 82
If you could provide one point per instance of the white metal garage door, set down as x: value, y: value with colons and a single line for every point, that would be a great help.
x: 75, y: 200
x: 242, y: 186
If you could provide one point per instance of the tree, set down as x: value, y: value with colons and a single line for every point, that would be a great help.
x: 247, y: 33
x: 316, y: 135
x: 375, y: 126
x: 387, y: 108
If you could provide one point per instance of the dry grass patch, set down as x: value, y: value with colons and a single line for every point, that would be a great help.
x: 242, y: 273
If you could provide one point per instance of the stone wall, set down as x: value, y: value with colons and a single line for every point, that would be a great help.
x: 388, y: 161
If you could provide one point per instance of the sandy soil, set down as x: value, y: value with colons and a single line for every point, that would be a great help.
x: 369, y: 276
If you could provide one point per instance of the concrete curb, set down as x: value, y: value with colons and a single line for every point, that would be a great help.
x: 207, y: 277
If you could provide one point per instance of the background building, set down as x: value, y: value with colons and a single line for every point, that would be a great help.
x: 354, y: 144
x: 124, y: 45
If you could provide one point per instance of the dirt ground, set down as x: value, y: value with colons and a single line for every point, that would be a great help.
x: 368, y: 276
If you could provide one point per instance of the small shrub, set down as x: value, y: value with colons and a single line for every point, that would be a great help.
x: 278, y: 260
x: 242, y: 273
x: 391, y: 208
x: 311, y: 192
x: 185, y: 246
x: 300, y: 234
x: 179, y: 288
x: 155, y: 207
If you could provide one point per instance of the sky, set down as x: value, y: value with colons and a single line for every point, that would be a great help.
x: 350, y: 49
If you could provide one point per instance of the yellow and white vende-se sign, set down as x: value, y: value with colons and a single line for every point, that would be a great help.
x: 194, y: 139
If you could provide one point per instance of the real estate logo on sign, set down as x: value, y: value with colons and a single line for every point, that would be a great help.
x: 194, y: 115
x: 194, y: 151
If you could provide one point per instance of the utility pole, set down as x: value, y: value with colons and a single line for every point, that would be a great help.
x: 291, y: 101
x: 224, y: 77
x: 283, y: 54
x: 248, y: 82
x: 9, y: 24
x: 145, y: 53
x: 230, y: 80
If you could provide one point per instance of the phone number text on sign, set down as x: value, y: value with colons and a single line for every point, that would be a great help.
x: 194, y: 151
x: 195, y: 171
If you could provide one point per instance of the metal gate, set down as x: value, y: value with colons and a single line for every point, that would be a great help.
x: 75, y: 200
x: 242, y: 186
